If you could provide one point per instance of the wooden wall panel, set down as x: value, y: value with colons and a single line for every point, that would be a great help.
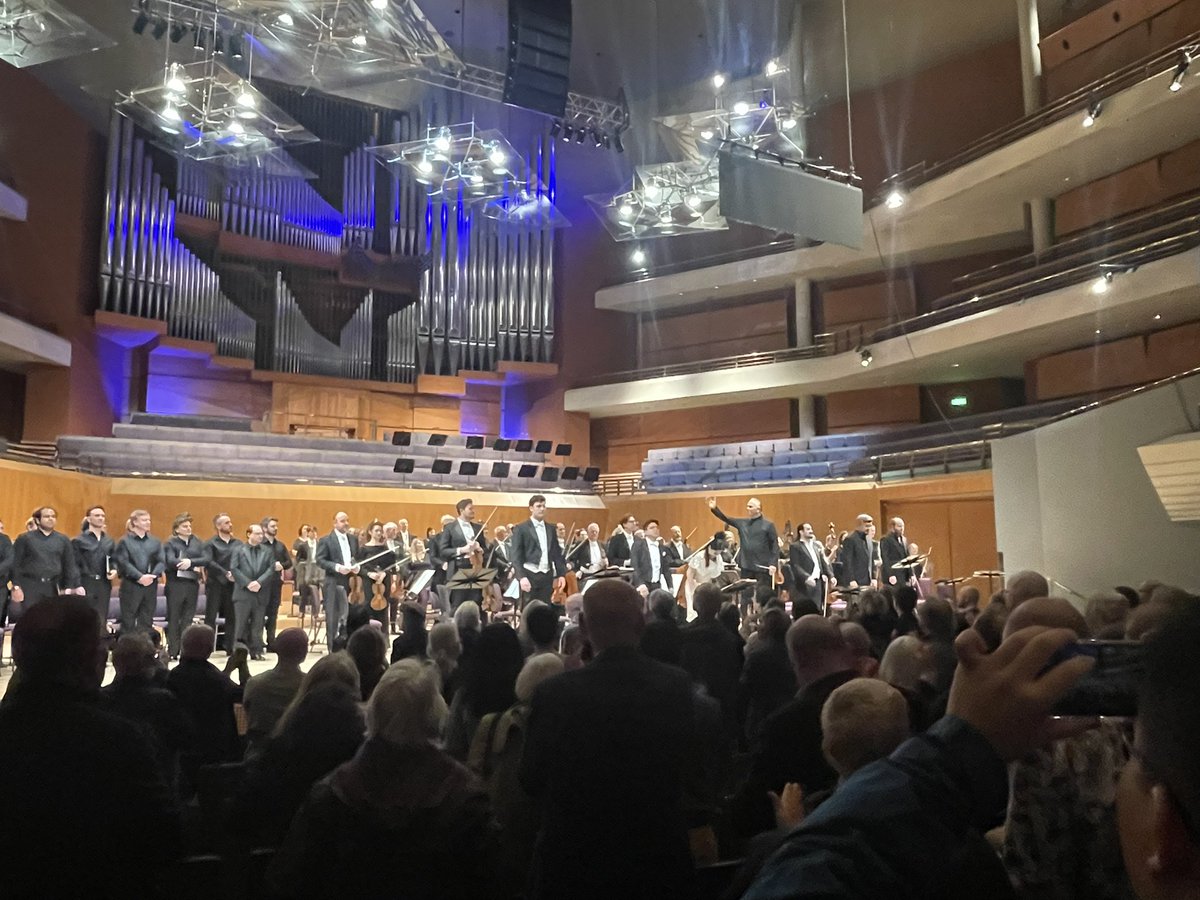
x: 880, y: 300
x: 873, y: 407
x: 620, y: 443
x: 1170, y: 25
x: 750, y: 327
x: 23, y: 488
x: 1174, y: 350
x: 960, y: 532
x: 1137, y: 187
x: 1098, y: 26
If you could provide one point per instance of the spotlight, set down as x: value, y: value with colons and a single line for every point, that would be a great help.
x: 580, y: 134
x: 285, y: 19
x: 607, y: 141
x: 218, y: 44
x: 169, y: 114
x: 555, y: 128
x: 1101, y: 284
x: 198, y: 39
x: 567, y: 133
x: 140, y: 23
x: 379, y: 4
x: 1093, y: 113
x: 497, y: 157
x: 718, y: 81
x: 706, y: 134
x: 651, y: 191
x: 788, y: 124
x: 693, y: 201
x: 741, y: 108
x: 177, y: 32
x: 425, y: 167
x: 359, y: 40
x: 1177, y: 81
x: 174, y: 83
x: 625, y: 211
x: 894, y: 199
x: 235, y: 46
x: 596, y: 139
x: 865, y: 358
x: 772, y: 68
x: 666, y: 217
x: 246, y: 100
x: 159, y: 29
x: 442, y: 141
x: 638, y: 257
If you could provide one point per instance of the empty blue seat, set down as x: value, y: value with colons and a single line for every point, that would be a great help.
x: 855, y: 440
x: 744, y: 475
x: 744, y: 462
x: 676, y: 478
x: 726, y: 475
x: 818, y: 470
x: 835, y: 440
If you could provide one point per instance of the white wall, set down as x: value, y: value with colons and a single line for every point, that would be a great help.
x: 1074, y: 502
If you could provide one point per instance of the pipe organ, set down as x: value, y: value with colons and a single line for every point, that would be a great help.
x: 298, y: 347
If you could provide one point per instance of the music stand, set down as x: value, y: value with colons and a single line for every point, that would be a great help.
x: 738, y: 586
x: 990, y: 575
x: 471, y: 579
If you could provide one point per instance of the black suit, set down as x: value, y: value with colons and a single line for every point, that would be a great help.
x: 673, y: 553
x: 6, y: 564
x: 804, y: 566
x: 450, y: 542
x: 643, y: 573
x: 336, y: 592
x: 526, y: 551
x: 619, y: 550
x: 581, y: 556
x: 856, y: 560
x: 284, y: 557
x: 891, y: 550
x: 626, y: 721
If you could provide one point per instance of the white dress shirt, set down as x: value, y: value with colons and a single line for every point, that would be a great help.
x: 543, y: 564
x: 468, y: 532
x: 655, y: 561
x: 344, y: 543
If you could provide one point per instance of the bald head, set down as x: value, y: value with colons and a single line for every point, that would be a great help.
x: 612, y: 615
x: 292, y: 646
x: 816, y: 648
x: 1024, y: 585
x: 1052, y: 612
x: 197, y: 642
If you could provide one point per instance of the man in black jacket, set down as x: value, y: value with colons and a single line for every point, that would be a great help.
x: 185, y: 556
x: 892, y: 549
x: 856, y: 556
x: 537, y: 557
x: 6, y: 561
x: 336, y: 553
x: 253, y: 572
x: 208, y: 696
x: 94, y: 551
x: 43, y: 562
x: 651, y: 565
x: 86, y: 810
x: 810, y: 569
x: 218, y: 586
x: 605, y: 755
x: 140, y: 561
x: 283, y: 562
x: 620, y: 545
x: 460, y: 538
x: 758, y: 552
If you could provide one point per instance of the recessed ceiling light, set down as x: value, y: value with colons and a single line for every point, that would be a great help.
x: 1157, y: 316
x: 1097, y: 331
x: 954, y: 365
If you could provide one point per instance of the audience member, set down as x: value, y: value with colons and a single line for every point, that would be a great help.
x: 904, y: 601
x: 401, y: 817
x: 208, y: 696
x: 730, y: 616
x: 908, y: 666
x: 86, y: 810
x: 790, y: 743
x: 320, y: 730
x: 268, y: 694
x: 863, y: 720
x: 1130, y: 594
x: 712, y: 655
x: 1024, y: 585
x: 574, y: 607
x: 496, y: 757
x: 1106, y: 613
x: 368, y: 648
x: 876, y: 615
x: 489, y: 678
x: 990, y: 624
x: 767, y: 680
x: 133, y: 695
x: 936, y: 618
x: 444, y: 650
x: 604, y: 755
x: 859, y: 643
x: 572, y: 646
x: 662, y: 638
x: 413, y: 640
x: 967, y: 605
x: 541, y: 625
x: 469, y: 620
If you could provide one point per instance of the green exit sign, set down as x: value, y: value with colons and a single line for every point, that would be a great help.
x: 959, y: 401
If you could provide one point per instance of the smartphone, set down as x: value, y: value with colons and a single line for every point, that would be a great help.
x: 1111, y: 687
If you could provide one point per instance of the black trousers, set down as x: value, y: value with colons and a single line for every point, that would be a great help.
x: 182, y: 596
x: 137, y: 605
x: 541, y: 586
x: 274, y: 592
x: 218, y: 601
x: 248, y: 610
x: 98, y: 592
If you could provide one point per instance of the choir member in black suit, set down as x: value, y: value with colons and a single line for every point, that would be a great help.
x: 218, y: 585
x: 892, y: 549
x: 856, y: 556
x: 651, y: 566
x: 336, y: 554
x: 43, y: 562
x: 810, y: 569
x: 94, y: 551
x: 185, y: 557
x: 283, y: 562
x: 537, y: 556
x: 620, y: 545
x: 140, y: 561
x: 253, y: 572
x: 459, y: 539
x: 6, y: 561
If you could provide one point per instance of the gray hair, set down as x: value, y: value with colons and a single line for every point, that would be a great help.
x: 407, y: 707
x: 537, y: 669
x: 467, y: 616
x: 905, y: 662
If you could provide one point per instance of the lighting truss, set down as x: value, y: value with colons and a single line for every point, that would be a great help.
x: 37, y: 31
x: 454, y: 159
x: 339, y: 45
x: 667, y: 199
x: 206, y: 112
x: 526, y: 209
x: 754, y: 120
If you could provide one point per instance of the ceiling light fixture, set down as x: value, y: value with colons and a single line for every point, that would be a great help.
x: 455, y: 158
x: 741, y: 108
x: 1157, y: 316
x: 638, y: 257
x: 865, y: 358
x: 359, y: 40
x: 895, y: 199
x: 286, y: 20
x: 1184, y: 62
x: 379, y: 4
x: 1093, y: 113
x: 718, y: 81
x: 1102, y: 284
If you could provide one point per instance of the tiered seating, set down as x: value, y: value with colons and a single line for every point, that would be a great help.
x: 163, y: 451
x: 753, y: 462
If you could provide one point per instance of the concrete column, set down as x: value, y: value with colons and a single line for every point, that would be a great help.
x: 1041, y: 221
x: 802, y: 314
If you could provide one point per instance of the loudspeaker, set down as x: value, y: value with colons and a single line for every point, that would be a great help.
x: 570, y: 473
x: 441, y: 467
x: 500, y: 470
x: 475, y: 442
x: 501, y: 444
x: 539, y: 55
x: 591, y: 474
x: 468, y: 468
x: 403, y: 467
x: 401, y: 438
x: 527, y: 471
x: 524, y: 446
x: 543, y: 446
x: 550, y: 473
x: 563, y: 450
x: 437, y: 440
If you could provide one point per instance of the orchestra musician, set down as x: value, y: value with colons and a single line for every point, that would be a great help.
x: 620, y: 545
x: 892, y: 549
x: 651, y: 565
x: 704, y: 567
x: 677, y: 549
x: 759, y: 553
x: 374, y: 571
x: 336, y: 554
x: 308, y: 573
x: 857, y: 556
x: 537, y: 556
x: 873, y: 548
x: 810, y: 569
x: 459, y: 539
x: 591, y: 556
